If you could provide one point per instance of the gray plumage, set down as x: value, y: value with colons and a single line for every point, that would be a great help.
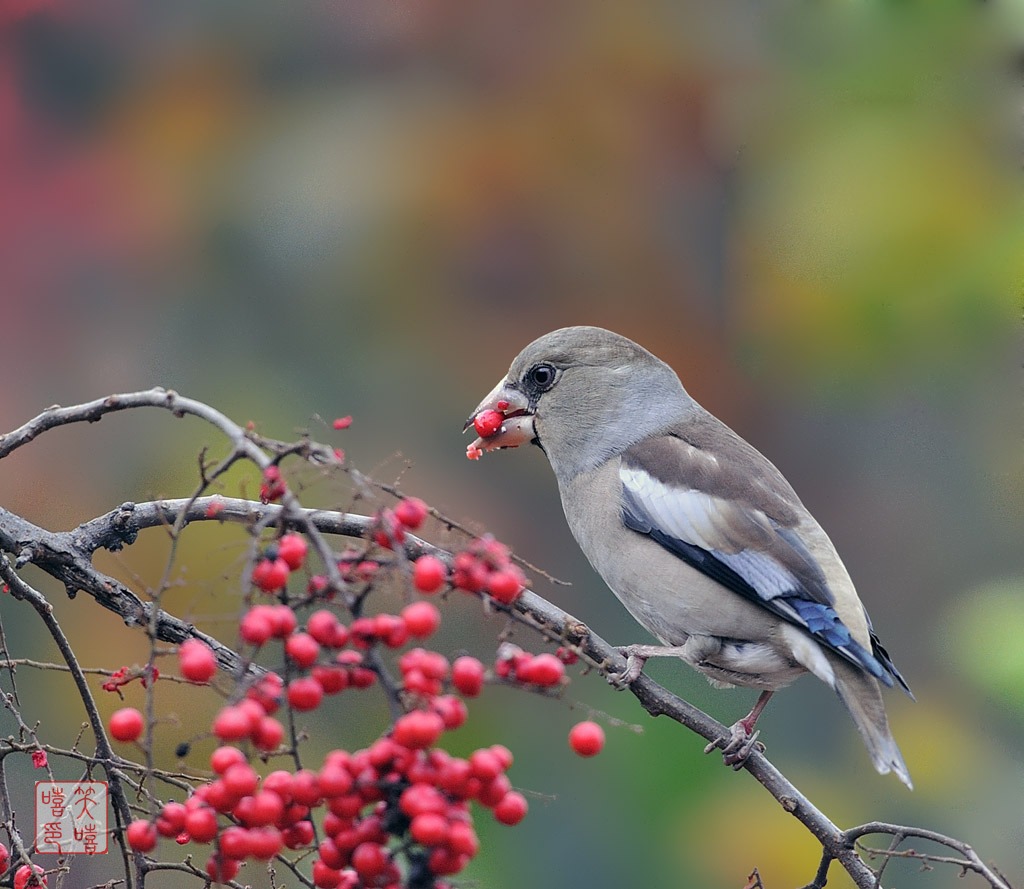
x: 699, y: 535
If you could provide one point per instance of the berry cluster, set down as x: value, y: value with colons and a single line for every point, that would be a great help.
x: 398, y: 813
x: 485, y: 566
x: 392, y: 807
x: 542, y: 670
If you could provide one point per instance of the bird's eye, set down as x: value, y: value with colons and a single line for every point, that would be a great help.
x: 541, y: 377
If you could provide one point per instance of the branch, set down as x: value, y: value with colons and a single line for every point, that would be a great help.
x: 66, y: 556
x: 529, y: 609
x: 969, y: 862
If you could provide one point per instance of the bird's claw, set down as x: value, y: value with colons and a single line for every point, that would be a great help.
x: 634, y: 667
x: 737, y: 747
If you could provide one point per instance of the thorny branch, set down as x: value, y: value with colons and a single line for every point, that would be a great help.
x: 67, y: 556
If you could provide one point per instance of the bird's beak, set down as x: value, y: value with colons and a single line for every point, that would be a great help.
x: 502, y: 420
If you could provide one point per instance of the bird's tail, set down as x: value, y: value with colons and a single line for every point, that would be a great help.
x: 862, y: 696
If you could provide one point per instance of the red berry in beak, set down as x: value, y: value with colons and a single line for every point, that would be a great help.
x: 488, y: 423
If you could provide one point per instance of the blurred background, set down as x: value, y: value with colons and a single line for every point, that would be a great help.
x: 303, y: 210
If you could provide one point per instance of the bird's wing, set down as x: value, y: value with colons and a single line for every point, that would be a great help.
x: 738, y: 524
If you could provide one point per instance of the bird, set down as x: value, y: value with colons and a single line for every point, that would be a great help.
x: 698, y: 534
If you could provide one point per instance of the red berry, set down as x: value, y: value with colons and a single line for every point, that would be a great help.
x: 323, y: 625
x: 429, y: 829
x: 224, y: 757
x: 241, y: 779
x: 218, y: 797
x: 126, y: 724
x: 306, y: 788
x: 266, y: 692
x: 429, y: 574
x: 232, y: 724
x: 411, y: 512
x: 5, y: 858
x: 342, y: 422
x: 493, y: 792
x: 391, y: 630
x: 333, y: 781
x: 265, y: 843
x: 141, y: 836
x: 488, y: 423
x: 234, y: 842
x: 485, y: 764
x: 451, y: 709
x: 220, y: 868
x: 363, y: 632
x: 280, y: 782
x: 268, y: 734
x: 390, y: 531
x: 468, y: 675
x: 196, y: 661
x: 423, y: 671
x: 422, y: 797
x: 358, y: 676
x: 299, y: 835
x: 26, y: 872
x: 201, y: 824
x: 273, y: 486
x: 369, y: 860
x: 586, y: 738
x: 417, y: 729
x: 292, y: 548
x: 259, y: 810
x: 512, y: 808
x: 505, y: 585
x: 415, y: 681
x: 325, y: 876
x: 171, y: 820
x: 317, y: 585
x: 544, y: 670
x: 284, y: 621
x: 331, y: 679
x: 444, y: 860
x: 462, y: 839
x: 305, y: 693
x: 330, y: 854
x: 421, y: 619
x: 270, y: 575
x: 257, y: 624
x: 302, y: 648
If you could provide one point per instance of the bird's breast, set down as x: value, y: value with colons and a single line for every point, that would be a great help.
x: 668, y: 597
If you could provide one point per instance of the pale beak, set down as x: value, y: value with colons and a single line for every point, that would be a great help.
x: 513, y: 425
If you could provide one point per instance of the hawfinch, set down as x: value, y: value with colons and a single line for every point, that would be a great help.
x: 696, y: 533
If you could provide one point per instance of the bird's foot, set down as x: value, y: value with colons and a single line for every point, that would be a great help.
x: 737, y: 747
x: 637, y: 655
x: 635, y: 660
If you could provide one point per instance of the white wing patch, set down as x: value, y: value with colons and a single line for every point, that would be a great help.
x: 701, y: 520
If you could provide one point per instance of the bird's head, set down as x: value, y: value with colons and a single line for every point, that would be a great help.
x: 582, y: 394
